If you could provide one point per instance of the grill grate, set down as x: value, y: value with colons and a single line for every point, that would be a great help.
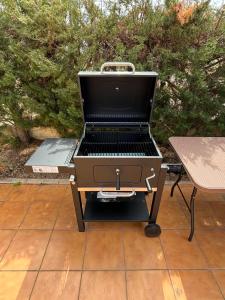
x: 117, y: 144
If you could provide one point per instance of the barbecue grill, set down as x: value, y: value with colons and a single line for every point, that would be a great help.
x: 116, y: 161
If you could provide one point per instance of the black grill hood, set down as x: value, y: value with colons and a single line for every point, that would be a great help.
x: 117, y: 97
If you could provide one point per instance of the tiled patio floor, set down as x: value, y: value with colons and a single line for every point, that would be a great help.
x: 43, y: 256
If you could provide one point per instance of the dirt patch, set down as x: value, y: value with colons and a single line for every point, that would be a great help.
x: 12, y: 161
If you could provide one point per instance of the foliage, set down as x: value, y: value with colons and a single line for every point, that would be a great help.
x: 43, y: 45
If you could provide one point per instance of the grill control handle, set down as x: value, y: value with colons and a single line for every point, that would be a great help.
x: 149, y: 188
x: 117, y: 179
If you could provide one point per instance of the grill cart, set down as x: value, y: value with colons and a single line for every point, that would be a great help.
x: 116, y: 161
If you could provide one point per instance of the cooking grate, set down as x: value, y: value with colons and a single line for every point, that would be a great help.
x: 117, y: 144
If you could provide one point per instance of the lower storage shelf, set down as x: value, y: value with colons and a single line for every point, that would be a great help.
x: 124, y: 209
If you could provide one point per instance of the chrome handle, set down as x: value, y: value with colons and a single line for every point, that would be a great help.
x: 108, y: 195
x: 147, y: 180
x: 117, y: 64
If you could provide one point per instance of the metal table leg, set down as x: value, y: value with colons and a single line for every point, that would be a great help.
x: 77, y: 204
x: 192, y: 212
x: 191, y: 207
x: 176, y: 182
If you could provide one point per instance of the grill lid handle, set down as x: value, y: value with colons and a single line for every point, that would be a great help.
x: 118, y: 64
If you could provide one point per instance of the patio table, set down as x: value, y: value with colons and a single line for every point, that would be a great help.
x: 203, y: 159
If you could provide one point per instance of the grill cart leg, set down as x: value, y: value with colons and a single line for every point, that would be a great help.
x: 153, y: 229
x: 77, y: 204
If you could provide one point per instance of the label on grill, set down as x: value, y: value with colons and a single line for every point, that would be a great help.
x: 45, y: 169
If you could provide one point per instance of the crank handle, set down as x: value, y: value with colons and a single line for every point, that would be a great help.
x: 149, y: 188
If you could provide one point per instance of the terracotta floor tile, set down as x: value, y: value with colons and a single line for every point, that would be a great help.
x: 5, y: 190
x: 103, y: 285
x: 41, y: 215
x: 212, y: 244
x: 142, y: 252
x: 16, y: 285
x: 204, y: 196
x: 179, y: 252
x: 166, y: 194
x: 66, y: 217
x: 218, y: 210
x: 23, y: 192
x: 195, y: 285
x: 186, y: 189
x: 103, y: 250
x: 171, y: 216
x: 133, y: 226
x: 56, y: 285
x: 5, y: 239
x: 220, y: 278
x: 52, y: 192
x: 149, y: 285
x: 12, y: 214
x: 26, y: 250
x: 204, y: 217
x: 65, y: 251
x: 104, y: 225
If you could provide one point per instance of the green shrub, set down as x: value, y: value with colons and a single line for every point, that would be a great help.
x: 43, y: 45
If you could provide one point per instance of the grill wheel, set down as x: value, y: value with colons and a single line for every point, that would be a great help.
x: 152, y: 230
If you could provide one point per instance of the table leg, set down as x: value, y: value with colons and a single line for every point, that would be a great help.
x: 192, y: 212
x: 176, y: 182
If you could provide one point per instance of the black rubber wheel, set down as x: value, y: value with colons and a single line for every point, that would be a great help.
x: 152, y: 230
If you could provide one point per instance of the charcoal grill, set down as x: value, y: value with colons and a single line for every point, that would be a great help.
x: 116, y: 162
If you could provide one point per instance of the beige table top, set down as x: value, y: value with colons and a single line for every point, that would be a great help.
x: 204, y: 160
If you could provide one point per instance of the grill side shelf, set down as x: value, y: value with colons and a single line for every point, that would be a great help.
x: 53, y: 156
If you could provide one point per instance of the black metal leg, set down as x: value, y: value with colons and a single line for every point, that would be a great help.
x: 78, y: 206
x: 192, y: 211
x: 175, y: 184
x: 157, y: 195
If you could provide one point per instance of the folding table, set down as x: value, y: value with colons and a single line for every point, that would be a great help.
x: 203, y: 159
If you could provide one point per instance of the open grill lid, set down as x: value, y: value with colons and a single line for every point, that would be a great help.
x: 117, y: 97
